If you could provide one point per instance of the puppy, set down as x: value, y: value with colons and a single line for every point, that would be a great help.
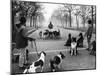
x: 56, y: 61
x: 37, y: 64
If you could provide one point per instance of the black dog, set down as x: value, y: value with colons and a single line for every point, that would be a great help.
x: 93, y: 50
x: 80, y: 40
x: 68, y: 43
x: 56, y: 61
x: 56, y: 33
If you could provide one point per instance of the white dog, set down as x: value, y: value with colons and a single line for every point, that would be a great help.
x: 37, y: 64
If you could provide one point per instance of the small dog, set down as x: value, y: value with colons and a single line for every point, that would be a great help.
x: 56, y: 61
x: 73, y: 48
x: 68, y: 43
x: 56, y: 33
x: 80, y: 40
x: 37, y: 64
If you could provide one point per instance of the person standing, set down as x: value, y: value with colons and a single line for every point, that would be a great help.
x: 89, y: 33
x: 22, y: 41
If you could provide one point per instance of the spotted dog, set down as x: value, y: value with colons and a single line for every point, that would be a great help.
x: 37, y: 64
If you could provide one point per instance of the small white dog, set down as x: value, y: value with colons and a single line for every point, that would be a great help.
x: 37, y: 64
x: 73, y: 46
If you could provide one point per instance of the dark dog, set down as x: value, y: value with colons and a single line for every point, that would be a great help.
x: 56, y: 33
x: 68, y: 43
x: 93, y: 49
x: 80, y: 40
x: 56, y: 61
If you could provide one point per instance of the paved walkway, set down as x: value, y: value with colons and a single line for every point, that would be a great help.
x: 53, y: 47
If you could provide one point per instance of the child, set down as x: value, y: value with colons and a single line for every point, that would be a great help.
x: 68, y: 43
x: 80, y: 40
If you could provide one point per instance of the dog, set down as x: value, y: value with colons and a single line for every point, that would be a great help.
x: 68, y: 43
x: 73, y: 49
x: 56, y: 61
x: 56, y: 33
x: 37, y: 64
x: 93, y: 48
x: 80, y: 40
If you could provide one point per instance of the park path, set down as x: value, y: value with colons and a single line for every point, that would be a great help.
x: 53, y: 47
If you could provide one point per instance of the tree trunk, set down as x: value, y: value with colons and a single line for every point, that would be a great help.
x: 30, y: 21
x: 77, y: 22
x: 70, y: 18
x: 92, y: 15
x: 84, y: 21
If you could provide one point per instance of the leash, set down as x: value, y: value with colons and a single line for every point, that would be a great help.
x: 36, y: 48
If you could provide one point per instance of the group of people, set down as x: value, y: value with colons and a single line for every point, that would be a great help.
x: 73, y: 42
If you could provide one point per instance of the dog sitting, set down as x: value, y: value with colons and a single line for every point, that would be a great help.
x: 56, y: 61
x: 73, y: 50
x: 68, y: 43
x: 93, y: 49
x: 56, y: 33
x: 80, y: 40
x: 37, y: 64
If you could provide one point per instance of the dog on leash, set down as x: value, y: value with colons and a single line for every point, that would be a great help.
x: 73, y: 49
x: 56, y: 61
x: 37, y: 64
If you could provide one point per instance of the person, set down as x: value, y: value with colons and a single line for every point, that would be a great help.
x: 50, y: 26
x: 22, y: 41
x: 89, y: 33
x: 68, y: 43
x: 80, y: 40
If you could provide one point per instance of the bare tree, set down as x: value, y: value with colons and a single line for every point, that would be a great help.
x: 69, y: 8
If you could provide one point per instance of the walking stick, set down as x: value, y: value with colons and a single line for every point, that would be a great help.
x: 36, y: 47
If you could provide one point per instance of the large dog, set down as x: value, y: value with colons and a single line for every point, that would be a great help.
x: 37, y: 64
x: 56, y: 61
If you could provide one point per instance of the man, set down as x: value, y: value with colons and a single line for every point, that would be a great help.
x: 22, y: 41
x: 89, y: 33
